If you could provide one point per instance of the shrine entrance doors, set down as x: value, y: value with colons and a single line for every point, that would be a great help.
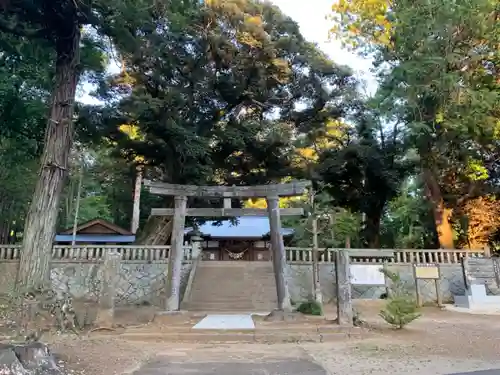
x: 237, y: 250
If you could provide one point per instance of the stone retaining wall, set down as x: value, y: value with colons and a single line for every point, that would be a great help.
x: 300, y: 282
x: 139, y: 282
x: 143, y: 282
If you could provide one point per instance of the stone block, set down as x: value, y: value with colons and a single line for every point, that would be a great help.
x: 27, y: 359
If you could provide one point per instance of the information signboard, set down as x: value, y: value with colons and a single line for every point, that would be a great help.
x: 366, y: 274
x: 427, y: 271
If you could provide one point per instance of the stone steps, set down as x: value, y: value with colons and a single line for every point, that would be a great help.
x: 233, y: 286
x: 216, y: 307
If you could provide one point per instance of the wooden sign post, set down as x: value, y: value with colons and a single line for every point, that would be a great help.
x: 270, y: 192
x: 427, y: 272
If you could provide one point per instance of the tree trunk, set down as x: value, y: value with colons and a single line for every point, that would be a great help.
x: 157, y: 231
x: 318, y: 296
x: 441, y: 213
x: 137, y: 200
x: 372, y: 229
x: 34, y: 267
x: 77, y: 207
x: 68, y: 204
x: 5, y: 223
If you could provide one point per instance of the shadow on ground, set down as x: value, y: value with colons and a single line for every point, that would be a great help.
x: 163, y: 365
x: 483, y: 372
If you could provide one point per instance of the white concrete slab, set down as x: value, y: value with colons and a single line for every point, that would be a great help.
x: 476, y: 298
x: 476, y: 311
x: 237, y: 322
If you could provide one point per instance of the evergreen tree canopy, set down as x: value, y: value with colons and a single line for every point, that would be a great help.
x: 218, y: 91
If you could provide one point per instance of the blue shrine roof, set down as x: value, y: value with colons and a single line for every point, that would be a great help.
x: 97, y: 231
x: 244, y: 227
x: 95, y: 238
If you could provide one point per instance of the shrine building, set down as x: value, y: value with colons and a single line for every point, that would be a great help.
x: 246, y: 239
x: 95, y: 232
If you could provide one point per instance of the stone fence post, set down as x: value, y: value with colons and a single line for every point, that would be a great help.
x: 195, y: 249
x: 344, y: 297
x: 106, y: 309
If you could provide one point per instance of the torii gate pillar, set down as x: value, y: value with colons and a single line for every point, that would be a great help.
x: 278, y: 254
x: 270, y: 192
x: 176, y: 255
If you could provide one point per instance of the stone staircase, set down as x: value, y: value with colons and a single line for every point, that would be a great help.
x: 232, y: 286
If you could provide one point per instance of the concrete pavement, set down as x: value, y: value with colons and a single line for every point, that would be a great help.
x: 164, y: 366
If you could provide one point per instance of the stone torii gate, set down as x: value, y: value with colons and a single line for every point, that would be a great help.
x: 270, y: 192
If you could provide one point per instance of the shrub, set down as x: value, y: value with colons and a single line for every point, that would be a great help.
x: 400, y: 311
x: 401, y: 308
x: 356, y: 319
x: 310, y: 308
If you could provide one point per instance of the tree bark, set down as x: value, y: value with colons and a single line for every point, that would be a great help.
x: 5, y: 224
x: 318, y: 296
x: 157, y: 231
x: 34, y: 267
x: 137, y: 200
x: 372, y: 229
x: 77, y: 206
x: 440, y: 212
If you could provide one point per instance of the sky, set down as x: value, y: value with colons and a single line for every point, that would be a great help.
x: 311, y: 17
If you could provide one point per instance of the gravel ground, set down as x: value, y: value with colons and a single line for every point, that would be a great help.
x: 440, y: 342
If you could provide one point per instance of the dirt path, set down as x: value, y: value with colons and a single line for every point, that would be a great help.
x: 439, y: 343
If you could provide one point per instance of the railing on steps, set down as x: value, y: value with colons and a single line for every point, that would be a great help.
x: 95, y: 253
x: 186, y: 298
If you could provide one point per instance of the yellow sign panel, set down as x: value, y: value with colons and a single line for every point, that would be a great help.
x: 427, y: 271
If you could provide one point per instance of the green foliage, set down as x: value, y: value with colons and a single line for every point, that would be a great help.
x: 348, y: 225
x: 18, y: 173
x: 366, y: 173
x: 438, y: 80
x: 400, y: 309
x: 91, y: 207
x: 205, y: 82
x: 407, y: 223
x: 108, y: 183
x: 25, y: 74
x: 213, y: 91
x: 335, y: 224
x: 310, y: 308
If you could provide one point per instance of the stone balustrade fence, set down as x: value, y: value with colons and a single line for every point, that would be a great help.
x: 401, y: 256
x: 134, y: 253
